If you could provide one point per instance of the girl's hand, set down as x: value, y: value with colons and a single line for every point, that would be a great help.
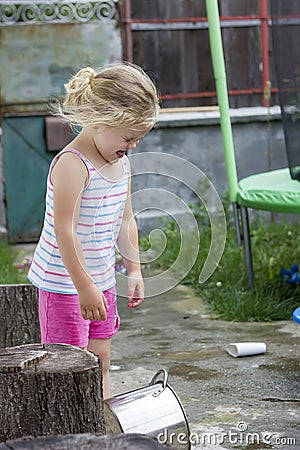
x: 92, y: 302
x: 135, y: 289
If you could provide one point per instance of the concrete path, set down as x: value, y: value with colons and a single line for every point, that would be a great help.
x: 250, y: 402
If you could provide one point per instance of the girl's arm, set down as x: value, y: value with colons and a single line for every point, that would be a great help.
x: 129, y: 248
x: 69, y: 176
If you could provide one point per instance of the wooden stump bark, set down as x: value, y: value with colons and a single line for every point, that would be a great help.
x: 49, y: 389
x: 86, y: 441
x: 19, y: 322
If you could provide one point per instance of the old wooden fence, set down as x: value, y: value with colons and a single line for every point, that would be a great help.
x: 170, y: 40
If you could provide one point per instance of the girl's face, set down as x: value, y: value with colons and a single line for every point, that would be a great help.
x: 112, y: 143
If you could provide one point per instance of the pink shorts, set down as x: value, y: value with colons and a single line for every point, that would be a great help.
x: 62, y: 323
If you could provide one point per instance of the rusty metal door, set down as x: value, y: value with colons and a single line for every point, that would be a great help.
x: 26, y: 163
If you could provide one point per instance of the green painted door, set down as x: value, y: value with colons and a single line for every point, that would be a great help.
x: 26, y: 164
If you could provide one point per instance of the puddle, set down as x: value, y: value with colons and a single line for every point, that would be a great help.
x: 284, y: 400
x: 283, y: 365
x: 193, y: 355
x: 192, y: 373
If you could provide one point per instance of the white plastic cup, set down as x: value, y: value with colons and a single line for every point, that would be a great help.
x: 238, y: 349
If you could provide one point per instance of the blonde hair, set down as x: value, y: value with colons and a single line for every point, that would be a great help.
x: 118, y: 95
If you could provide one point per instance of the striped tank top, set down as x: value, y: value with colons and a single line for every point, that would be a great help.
x: 101, y: 213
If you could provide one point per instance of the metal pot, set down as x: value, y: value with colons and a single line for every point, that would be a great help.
x: 154, y: 410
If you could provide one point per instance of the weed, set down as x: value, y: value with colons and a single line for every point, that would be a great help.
x: 226, y: 292
x: 9, y: 272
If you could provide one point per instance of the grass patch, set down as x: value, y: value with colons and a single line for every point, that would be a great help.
x: 226, y: 292
x: 9, y: 273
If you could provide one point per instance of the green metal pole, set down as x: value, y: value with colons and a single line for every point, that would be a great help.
x: 216, y: 47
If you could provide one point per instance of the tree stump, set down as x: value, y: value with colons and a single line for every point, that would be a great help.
x: 49, y: 389
x: 86, y: 441
x: 19, y: 321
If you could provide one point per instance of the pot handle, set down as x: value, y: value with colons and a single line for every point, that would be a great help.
x: 163, y: 383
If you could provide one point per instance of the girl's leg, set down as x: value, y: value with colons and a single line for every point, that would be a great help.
x: 100, y: 335
x: 101, y: 348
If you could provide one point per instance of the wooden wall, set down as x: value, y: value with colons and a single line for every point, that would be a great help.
x: 180, y: 60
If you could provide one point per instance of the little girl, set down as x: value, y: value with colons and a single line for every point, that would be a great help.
x: 88, y: 211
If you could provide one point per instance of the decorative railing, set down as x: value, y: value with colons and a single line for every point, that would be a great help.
x: 24, y: 12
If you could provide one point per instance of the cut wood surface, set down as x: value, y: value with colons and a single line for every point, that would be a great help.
x: 49, y: 389
x: 17, y: 361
